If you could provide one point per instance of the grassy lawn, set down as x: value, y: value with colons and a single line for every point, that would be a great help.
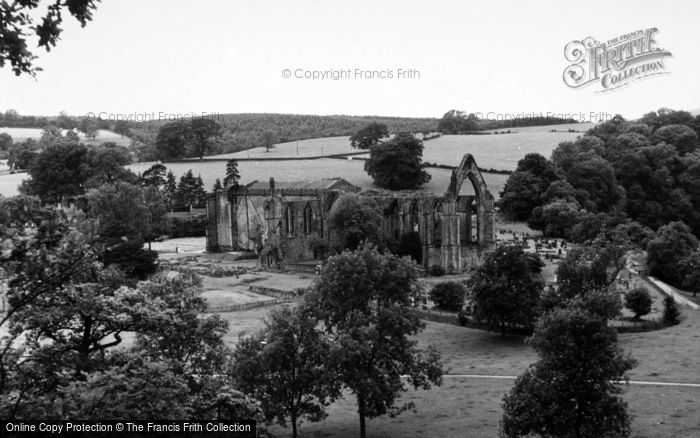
x: 464, y: 407
x: 181, y: 244
x: 245, y: 322
x: 472, y: 407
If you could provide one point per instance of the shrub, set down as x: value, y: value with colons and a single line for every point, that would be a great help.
x: 319, y: 246
x: 638, y: 301
x: 410, y: 245
x: 448, y: 295
x: 463, y: 318
x: 436, y: 271
x: 193, y: 226
x: 671, y: 312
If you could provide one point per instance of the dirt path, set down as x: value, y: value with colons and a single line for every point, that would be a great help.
x: 631, y: 382
x: 680, y: 299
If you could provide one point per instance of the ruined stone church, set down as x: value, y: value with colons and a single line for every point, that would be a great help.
x: 278, y: 220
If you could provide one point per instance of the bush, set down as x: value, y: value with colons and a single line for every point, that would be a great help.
x: 410, y: 245
x: 463, y: 318
x: 671, y: 312
x: 448, y: 295
x: 436, y: 271
x: 638, y: 301
x: 193, y: 226
x: 319, y: 246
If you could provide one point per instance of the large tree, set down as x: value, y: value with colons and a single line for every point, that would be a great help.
x: 154, y: 176
x: 573, y: 390
x: 505, y: 288
x: 199, y: 132
x: 233, y: 176
x: 67, y: 313
x: 396, y: 164
x: 597, y: 177
x: 285, y: 366
x: 190, y: 191
x: 171, y: 143
x: 21, y: 155
x: 594, y: 265
x: 22, y: 22
x: 353, y: 219
x: 682, y: 137
x: 457, y: 122
x: 363, y: 299
x: 370, y: 135
x: 66, y: 306
x: 59, y: 172
x: 124, y: 221
x: 5, y: 141
x: 520, y: 196
x: 105, y: 165
x: 673, y: 243
x: 268, y: 139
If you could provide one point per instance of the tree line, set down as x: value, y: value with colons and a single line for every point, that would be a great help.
x: 457, y: 122
x: 644, y: 175
x: 131, y: 209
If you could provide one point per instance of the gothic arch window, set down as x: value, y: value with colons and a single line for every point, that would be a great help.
x: 413, y: 219
x: 289, y: 219
x: 309, y: 219
x: 437, y: 225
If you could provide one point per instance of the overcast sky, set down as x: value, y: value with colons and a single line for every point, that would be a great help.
x: 226, y: 56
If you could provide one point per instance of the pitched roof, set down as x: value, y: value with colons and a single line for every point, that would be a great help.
x: 302, y: 186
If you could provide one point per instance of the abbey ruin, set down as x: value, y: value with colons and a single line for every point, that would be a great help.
x: 277, y: 220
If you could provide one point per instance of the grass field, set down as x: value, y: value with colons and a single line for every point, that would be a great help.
x: 472, y: 407
x: 10, y: 182
x: 303, y: 148
x: 308, y: 170
x: 491, y: 151
x: 580, y: 127
x: 500, y: 151
x: 103, y: 135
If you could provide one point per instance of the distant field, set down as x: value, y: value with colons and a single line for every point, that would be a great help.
x: 303, y: 170
x: 103, y: 135
x: 308, y: 170
x: 10, y: 182
x: 306, y: 148
x: 581, y: 127
x: 496, y: 151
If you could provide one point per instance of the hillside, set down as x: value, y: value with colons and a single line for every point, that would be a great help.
x: 495, y: 151
x: 245, y: 131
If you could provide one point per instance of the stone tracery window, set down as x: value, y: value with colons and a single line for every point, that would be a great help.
x: 289, y: 219
x: 309, y: 224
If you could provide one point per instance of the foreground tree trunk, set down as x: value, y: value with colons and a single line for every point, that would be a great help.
x: 361, y: 410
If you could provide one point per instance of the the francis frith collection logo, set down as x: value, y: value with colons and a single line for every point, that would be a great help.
x: 616, y: 62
